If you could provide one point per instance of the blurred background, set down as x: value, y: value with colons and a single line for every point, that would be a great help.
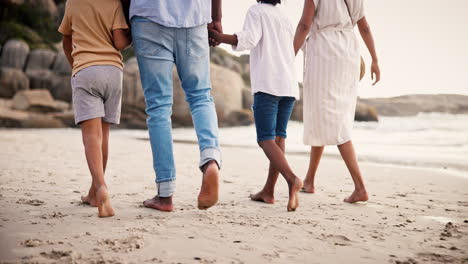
x: 416, y: 116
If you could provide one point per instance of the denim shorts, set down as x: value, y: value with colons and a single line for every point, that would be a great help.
x: 271, y: 115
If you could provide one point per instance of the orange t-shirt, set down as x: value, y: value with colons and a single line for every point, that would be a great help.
x: 90, y: 22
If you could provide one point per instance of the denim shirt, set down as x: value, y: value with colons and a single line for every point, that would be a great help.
x: 173, y: 13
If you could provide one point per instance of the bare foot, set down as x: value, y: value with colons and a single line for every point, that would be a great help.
x: 262, y: 197
x: 308, y: 188
x: 90, y: 198
x: 210, y: 186
x: 357, y: 196
x: 294, y: 188
x: 160, y: 203
x: 104, y: 207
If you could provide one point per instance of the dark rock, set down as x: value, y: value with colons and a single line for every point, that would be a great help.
x: 35, y: 101
x: 40, y: 79
x: 40, y: 59
x: 132, y: 93
x: 409, y: 105
x: 365, y: 113
x: 47, y: 6
x: 61, y: 88
x: 14, y: 54
x: 247, y: 98
x: 21, y: 119
x: 239, y: 118
x: 11, y: 81
x: 61, y: 65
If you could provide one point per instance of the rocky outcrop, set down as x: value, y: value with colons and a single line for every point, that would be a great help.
x: 409, y: 105
x: 37, y: 101
x: 61, y: 87
x: 14, y: 54
x: 40, y: 78
x: 11, y: 81
x: 40, y: 59
x: 47, y: 6
x: 61, y: 65
x: 366, y: 113
x: 24, y: 119
x: 132, y: 93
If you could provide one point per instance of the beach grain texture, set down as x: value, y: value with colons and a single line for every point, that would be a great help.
x: 413, y: 216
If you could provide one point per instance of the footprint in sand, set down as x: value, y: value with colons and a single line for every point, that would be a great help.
x: 450, y: 230
x: 53, y: 215
x: 338, y: 240
x: 34, y: 242
x: 33, y: 202
x: 127, y: 244
x: 438, y: 258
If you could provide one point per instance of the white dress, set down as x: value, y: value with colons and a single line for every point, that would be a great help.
x: 331, y: 73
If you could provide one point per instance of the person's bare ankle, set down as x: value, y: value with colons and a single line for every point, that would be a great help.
x: 294, y: 187
x: 308, y: 186
x: 90, y: 198
x: 208, y: 195
x: 263, y: 196
x: 160, y: 203
x: 359, y: 195
x: 103, y: 202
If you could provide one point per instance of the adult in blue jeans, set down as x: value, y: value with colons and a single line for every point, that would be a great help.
x: 168, y: 32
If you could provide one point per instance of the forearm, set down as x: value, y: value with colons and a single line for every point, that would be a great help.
x: 301, y: 34
x: 216, y: 10
x: 68, y: 48
x: 368, y: 39
x: 228, y: 39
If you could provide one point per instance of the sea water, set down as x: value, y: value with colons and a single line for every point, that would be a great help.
x: 433, y: 140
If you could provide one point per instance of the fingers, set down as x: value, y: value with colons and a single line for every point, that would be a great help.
x: 375, y: 75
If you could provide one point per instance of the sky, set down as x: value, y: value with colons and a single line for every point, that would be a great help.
x: 422, y: 45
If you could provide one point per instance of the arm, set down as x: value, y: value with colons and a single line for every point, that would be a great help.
x: 304, y: 25
x: 224, y: 38
x: 121, y: 38
x: 216, y: 16
x: 68, y: 47
x: 366, y: 34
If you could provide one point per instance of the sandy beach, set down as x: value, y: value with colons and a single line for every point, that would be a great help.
x: 413, y: 216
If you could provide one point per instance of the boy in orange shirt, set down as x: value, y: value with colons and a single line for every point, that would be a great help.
x: 94, y: 32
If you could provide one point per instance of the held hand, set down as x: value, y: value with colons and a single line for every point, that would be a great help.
x: 215, y: 26
x: 375, y: 72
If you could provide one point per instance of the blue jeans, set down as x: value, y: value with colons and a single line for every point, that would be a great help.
x: 157, y: 49
x: 272, y: 115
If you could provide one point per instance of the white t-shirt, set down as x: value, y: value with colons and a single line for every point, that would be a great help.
x: 269, y: 35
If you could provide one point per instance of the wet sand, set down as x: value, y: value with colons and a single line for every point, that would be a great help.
x: 413, y: 216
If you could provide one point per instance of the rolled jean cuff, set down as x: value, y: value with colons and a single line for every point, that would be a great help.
x: 210, y: 154
x: 166, y: 189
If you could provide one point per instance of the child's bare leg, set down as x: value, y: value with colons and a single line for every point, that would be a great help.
x: 91, y: 197
x: 315, y: 156
x: 105, y: 144
x: 266, y: 195
x: 276, y: 156
x: 349, y: 157
x: 92, y: 139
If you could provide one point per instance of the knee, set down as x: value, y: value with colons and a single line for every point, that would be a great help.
x: 92, y: 140
x: 199, y: 96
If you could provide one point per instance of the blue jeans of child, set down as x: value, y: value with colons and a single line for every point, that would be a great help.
x: 157, y: 49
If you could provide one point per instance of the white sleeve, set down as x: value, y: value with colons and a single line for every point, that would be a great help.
x: 251, y: 33
x: 358, y: 10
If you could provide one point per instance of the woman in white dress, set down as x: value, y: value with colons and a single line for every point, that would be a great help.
x: 331, y: 76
